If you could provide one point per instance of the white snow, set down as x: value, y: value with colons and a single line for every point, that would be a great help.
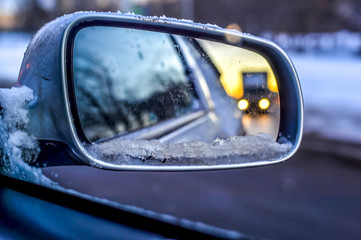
x: 17, y: 147
x: 13, y: 102
x: 331, y: 86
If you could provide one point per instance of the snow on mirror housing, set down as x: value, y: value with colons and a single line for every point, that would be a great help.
x: 146, y: 93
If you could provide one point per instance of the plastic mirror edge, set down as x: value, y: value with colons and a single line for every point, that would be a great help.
x: 214, y: 33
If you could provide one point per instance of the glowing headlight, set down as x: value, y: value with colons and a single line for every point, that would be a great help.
x: 264, y: 104
x: 243, y: 104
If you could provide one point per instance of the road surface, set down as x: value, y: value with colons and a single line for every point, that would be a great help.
x: 312, y: 196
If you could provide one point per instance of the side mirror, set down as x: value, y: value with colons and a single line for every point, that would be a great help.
x: 125, y: 92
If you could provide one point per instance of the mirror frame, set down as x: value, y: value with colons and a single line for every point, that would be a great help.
x: 291, y: 102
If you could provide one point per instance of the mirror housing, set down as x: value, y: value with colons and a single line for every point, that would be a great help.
x: 47, y: 70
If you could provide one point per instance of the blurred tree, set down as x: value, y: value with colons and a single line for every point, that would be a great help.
x: 282, y: 15
x: 253, y: 16
x: 35, y: 13
x: 32, y: 15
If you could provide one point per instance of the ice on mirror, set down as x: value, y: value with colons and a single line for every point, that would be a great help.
x: 233, y: 150
x: 17, y: 146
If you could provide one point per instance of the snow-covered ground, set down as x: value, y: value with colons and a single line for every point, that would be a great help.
x: 12, y: 48
x: 331, y: 83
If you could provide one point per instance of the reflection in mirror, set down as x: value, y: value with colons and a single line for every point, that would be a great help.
x: 127, y: 85
x: 248, y: 78
x: 154, y: 98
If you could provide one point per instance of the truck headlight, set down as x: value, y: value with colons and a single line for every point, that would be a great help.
x: 264, y: 104
x: 243, y: 104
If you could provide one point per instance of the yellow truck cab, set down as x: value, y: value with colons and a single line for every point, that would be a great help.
x: 251, y: 82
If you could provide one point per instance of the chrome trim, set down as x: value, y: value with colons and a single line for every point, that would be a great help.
x: 300, y: 106
x: 300, y: 103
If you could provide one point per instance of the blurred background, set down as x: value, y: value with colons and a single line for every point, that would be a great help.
x: 315, y: 195
x: 323, y: 38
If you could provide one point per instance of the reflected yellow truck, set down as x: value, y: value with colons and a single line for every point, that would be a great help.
x: 245, y: 76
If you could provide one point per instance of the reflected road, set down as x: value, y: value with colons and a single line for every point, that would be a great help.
x: 264, y: 123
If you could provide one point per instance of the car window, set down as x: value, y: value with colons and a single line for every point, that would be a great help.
x: 128, y: 80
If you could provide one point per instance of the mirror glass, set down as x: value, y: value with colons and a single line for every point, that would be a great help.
x: 154, y: 98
